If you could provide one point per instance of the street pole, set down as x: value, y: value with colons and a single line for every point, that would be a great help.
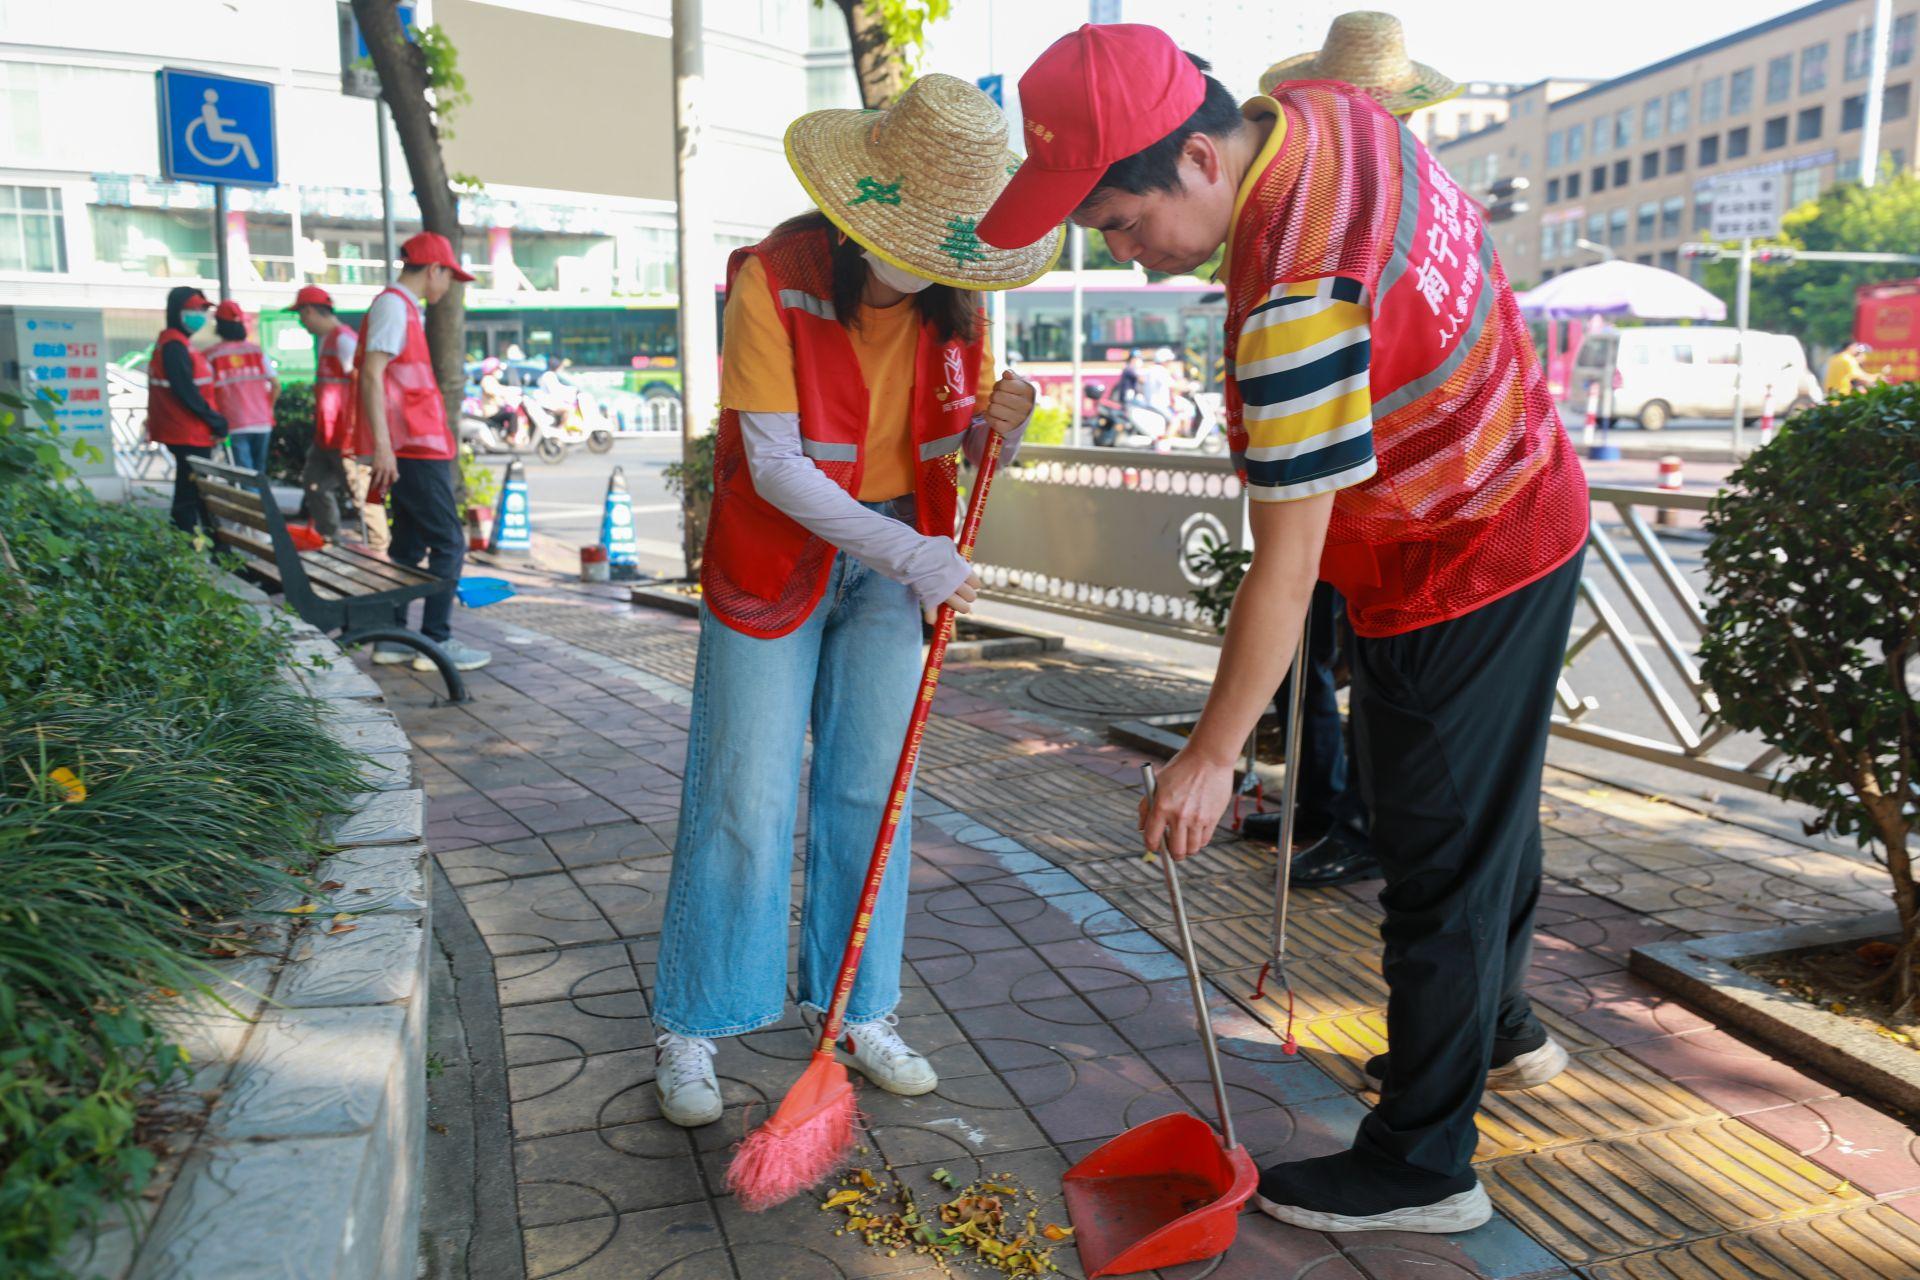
x: 699, y: 342
x: 388, y: 252
x: 220, y: 238
x: 1079, y: 261
x: 1876, y: 90
x: 1741, y: 295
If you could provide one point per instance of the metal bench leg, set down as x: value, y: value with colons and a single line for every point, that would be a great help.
x: 456, y: 684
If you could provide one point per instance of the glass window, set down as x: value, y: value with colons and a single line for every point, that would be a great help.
x: 1549, y: 242
x: 1670, y: 261
x: 1776, y: 133
x: 1709, y: 150
x: 1597, y: 227
x: 1859, y: 55
x: 1678, y: 103
x: 1553, y: 191
x: 1900, y: 52
x: 1780, y: 79
x: 1602, y: 135
x: 1556, y: 148
x: 1676, y: 157
x: 1806, y: 126
x: 1804, y: 187
x: 1711, y: 94
x: 1813, y: 68
x: 164, y: 243
x: 1573, y: 186
x: 1848, y: 170
x: 1740, y: 92
x: 1622, y: 172
x: 1617, y: 228
x: 1853, y: 113
x: 1576, y: 145
x: 1738, y: 141
x: 1893, y: 105
x: 1650, y: 118
x: 1623, y: 128
x: 33, y: 232
x: 1702, y: 212
x: 1672, y: 211
x: 1645, y: 220
x: 1649, y: 166
x: 1597, y: 180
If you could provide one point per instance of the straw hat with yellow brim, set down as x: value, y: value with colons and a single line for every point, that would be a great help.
x: 909, y: 184
x: 1368, y: 51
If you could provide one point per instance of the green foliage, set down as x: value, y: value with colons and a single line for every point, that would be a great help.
x: 1224, y: 567
x: 1814, y: 300
x: 442, y: 63
x: 1049, y: 425
x: 153, y: 779
x: 479, y: 482
x: 292, y: 432
x: 1098, y: 258
x: 691, y: 477
x: 1813, y: 637
x: 904, y: 23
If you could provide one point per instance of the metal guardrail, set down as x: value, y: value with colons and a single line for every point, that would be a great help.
x: 1670, y: 680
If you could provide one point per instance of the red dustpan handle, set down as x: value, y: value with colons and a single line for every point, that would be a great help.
x: 909, y: 753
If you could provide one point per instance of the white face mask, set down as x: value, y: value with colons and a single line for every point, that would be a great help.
x: 894, y: 277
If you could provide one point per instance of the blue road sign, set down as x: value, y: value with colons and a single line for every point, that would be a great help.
x: 216, y: 129
x: 994, y: 87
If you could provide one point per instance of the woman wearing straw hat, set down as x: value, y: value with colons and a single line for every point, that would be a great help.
x: 1367, y: 50
x: 852, y: 381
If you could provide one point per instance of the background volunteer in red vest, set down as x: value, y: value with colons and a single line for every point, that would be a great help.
x: 339, y: 462
x: 179, y: 415
x: 244, y: 387
x: 413, y: 449
x: 853, y: 379
x: 1398, y: 439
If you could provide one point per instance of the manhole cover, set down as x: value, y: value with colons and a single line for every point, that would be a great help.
x: 1116, y: 693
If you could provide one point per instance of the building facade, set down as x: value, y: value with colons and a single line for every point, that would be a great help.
x: 1481, y: 104
x: 1625, y: 168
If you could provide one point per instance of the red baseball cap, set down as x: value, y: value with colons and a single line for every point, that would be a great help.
x: 229, y: 310
x: 196, y: 301
x: 1099, y: 95
x: 430, y: 249
x: 311, y: 296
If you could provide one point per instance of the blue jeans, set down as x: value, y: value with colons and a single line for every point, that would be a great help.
x: 250, y: 449
x: 850, y: 673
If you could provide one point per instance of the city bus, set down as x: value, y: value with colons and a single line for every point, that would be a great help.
x: 1120, y: 314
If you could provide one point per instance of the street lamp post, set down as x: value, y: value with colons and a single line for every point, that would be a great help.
x: 1876, y: 90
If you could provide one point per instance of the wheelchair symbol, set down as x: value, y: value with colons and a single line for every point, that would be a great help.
x: 214, y: 129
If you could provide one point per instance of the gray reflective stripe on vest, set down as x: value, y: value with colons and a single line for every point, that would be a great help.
x: 823, y: 451
x: 797, y: 300
x: 942, y: 447
x: 1426, y: 382
x: 1411, y: 185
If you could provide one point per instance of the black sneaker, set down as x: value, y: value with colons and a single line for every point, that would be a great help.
x: 1346, y: 1193
x: 1518, y: 1065
x: 1332, y: 860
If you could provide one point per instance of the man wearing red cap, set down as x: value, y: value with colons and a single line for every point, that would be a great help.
x: 413, y: 449
x: 1398, y: 440
x: 337, y: 462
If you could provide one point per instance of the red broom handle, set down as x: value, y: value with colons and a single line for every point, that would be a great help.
x: 909, y: 753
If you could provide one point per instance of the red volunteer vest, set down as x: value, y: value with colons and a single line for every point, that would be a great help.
x: 332, y: 401
x: 762, y: 573
x: 169, y: 421
x: 416, y: 415
x: 242, y: 388
x: 1478, y: 491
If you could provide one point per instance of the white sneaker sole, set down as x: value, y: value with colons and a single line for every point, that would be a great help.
x: 896, y: 1087
x: 426, y: 664
x: 1462, y: 1212
x: 381, y: 658
x: 1528, y: 1071
x: 689, y: 1119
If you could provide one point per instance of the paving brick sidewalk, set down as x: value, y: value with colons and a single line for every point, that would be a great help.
x: 1041, y: 984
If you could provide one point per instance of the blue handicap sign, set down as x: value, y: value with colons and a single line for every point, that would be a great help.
x: 216, y: 129
x: 994, y: 87
x: 512, y: 522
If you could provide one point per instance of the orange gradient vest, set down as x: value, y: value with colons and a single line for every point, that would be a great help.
x: 169, y: 421
x: 1478, y: 491
x: 762, y: 573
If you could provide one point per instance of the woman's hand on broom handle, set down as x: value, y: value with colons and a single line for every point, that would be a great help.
x: 961, y: 601
x: 1010, y: 405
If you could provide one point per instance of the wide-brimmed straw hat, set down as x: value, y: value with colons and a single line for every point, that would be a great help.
x: 911, y: 183
x: 1368, y: 51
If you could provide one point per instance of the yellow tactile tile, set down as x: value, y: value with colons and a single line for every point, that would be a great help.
x: 1604, y: 1200
x: 1341, y: 1046
x: 1322, y: 989
x: 1246, y: 942
x: 1600, y: 1095
x: 1880, y: 1243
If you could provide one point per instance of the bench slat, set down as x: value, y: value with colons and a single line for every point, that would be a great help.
x: 365, y: 583
x: 249, y: 516
x: 393, y: 574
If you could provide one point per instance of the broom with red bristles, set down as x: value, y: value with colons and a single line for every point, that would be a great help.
x: 811, y: 1134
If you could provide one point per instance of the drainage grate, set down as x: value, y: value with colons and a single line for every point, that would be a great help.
x: 1116, y: 693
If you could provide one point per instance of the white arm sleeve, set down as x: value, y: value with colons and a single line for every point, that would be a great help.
x: 930, y: 566
x: 387, y: 324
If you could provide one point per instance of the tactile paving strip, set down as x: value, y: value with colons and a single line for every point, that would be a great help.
x: 1341, y: 1046
x: 1603, y: 1200
x: 1880, y: 1243
x: 1600, y: 1095
x: 1322, y: 989
x: 1246, y: 942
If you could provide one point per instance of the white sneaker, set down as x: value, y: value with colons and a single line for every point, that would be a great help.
x: 463, y: 656
x: 387, y: 654
x: 1462, y: 1212
x: 883, y: 1057
x: 683, y: 1075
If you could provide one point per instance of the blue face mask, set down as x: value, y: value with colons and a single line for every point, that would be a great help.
x: 193, y: 321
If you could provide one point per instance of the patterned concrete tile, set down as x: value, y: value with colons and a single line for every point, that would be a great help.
x: 679, y: 1243
x: 538, y: 913
x: 559, y: 1030
x: 1734, y: 1076
x: 1496, y: 1251
x: 588, y: 976
x: 1619, y: 1007
x: 484, y: 864
x: 605, y: 1172
x: 1871, y: 1150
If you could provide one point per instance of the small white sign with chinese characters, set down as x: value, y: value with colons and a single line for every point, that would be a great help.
x: 1747, y: 206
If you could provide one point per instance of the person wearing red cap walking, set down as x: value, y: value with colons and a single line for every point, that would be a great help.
x: 179, y: 380
x: 337, y: 461
x: 413, y: 449
x: 1398, y: 440
x: 244, y: 387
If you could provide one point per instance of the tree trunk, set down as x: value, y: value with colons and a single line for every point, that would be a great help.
x: 403, y: 83
x: 879, y: 72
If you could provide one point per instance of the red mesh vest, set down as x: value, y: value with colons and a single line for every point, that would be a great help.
x: 241, y: 385
x: 1478, y: 491
x: 416, y: 414
x: 762, y: 573
x: 169, y: 421
x: 332, y: 405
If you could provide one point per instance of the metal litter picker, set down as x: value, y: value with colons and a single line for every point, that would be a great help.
x: 1168, y: 1191
x: 811, y: 1134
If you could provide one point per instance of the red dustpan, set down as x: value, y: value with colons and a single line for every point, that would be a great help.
x: 1168, y: 1191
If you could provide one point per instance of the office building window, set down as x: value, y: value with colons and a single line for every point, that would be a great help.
x: 1676, y: 157
x: 1709, y: 150
x: 1549, y: 242
x: 1853, y: 113
x: 1622, y: 172
x: 1740, y: 92
x: 33, y: 234
x: 1650, y: 118
x: 1649, y: 166
x: 1670, y: 260
x: 1623, y: 129
x: 1859, y: 55
x: 1807, y: 125
x: 1617, y: 228
x: 1645, y: 220
x: 1672, y: 211
x: 1576, y: 145
x: 1813, y: 68
x: 1556, y: 149
x: 1847, y: 170
x: 1702, y: 213
x: 1678, y: 103
x: 1597, y: 180
x: 1804, y: 187
x: 1738, y: 141
x: 1776, y: 134
x: 1896, y: 100
x: 1602, y: 135
x: 1573, y: 186
x: 1780, y: 79
x: 1553, y: 191
x: 1597, y: 227
x: 1712, y: 94
x: 1900, y: 52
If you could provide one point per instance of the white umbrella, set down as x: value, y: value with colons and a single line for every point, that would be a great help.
x: 1619, y: 288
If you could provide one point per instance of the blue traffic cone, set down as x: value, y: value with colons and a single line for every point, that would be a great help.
x: 616, y: 529
x: 512, y: 521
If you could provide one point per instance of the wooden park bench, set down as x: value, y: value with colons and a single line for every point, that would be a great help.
x: 335, y: 588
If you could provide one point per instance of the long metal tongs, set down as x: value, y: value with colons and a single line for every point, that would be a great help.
x: 1283, y: 864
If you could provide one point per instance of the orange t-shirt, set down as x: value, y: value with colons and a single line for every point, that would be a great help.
x: 757, y: 375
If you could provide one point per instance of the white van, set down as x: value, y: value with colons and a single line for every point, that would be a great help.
x: 1662, y: 372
